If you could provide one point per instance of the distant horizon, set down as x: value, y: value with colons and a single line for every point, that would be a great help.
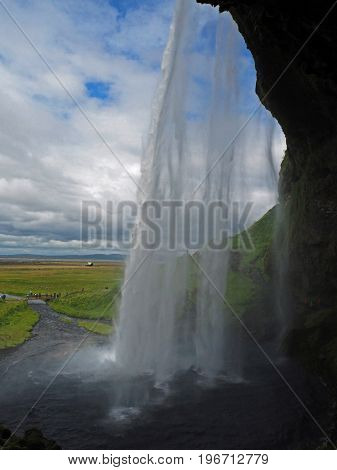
x: 112, y: 256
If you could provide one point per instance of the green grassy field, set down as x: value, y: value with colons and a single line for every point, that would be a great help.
x: 16, y: 322
x: 86, y: 293
x: 59, y: 277
x: 91, y: 305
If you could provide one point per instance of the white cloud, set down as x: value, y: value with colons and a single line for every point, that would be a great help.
x: 50, y: 157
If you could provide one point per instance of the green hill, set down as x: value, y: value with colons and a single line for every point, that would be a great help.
x: 249, y: 289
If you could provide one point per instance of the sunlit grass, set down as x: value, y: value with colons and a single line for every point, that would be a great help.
x: 96, y: 327
x: 99, y: 304
x: 17, y: 320
x: 57, y: 277
x: 85, y: 292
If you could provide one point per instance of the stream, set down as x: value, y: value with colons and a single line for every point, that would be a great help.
x: 79, y: 409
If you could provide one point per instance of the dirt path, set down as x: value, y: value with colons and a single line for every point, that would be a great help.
x: 12, y: 297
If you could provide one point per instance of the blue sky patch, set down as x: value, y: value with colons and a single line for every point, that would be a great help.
x: 123, y: 6
x: 98, y: 90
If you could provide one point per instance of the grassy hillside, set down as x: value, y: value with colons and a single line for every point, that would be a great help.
x: 17, y: 320
x: 248, y: 287
x: 254, y: 245
x: 240, y: 290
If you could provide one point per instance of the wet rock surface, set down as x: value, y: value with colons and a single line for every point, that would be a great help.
x: 294, y: 48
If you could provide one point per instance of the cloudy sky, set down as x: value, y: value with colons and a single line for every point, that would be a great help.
x: 106, y: 54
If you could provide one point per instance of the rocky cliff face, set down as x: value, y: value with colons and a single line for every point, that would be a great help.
x: 294, y: 48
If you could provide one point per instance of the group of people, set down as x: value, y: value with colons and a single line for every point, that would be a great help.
x: 38, y: 296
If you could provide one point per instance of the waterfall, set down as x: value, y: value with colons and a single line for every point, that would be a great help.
x: 201, y: 147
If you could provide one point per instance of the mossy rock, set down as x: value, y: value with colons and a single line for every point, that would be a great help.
x: 314, y: 343
x: 33, y: 439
